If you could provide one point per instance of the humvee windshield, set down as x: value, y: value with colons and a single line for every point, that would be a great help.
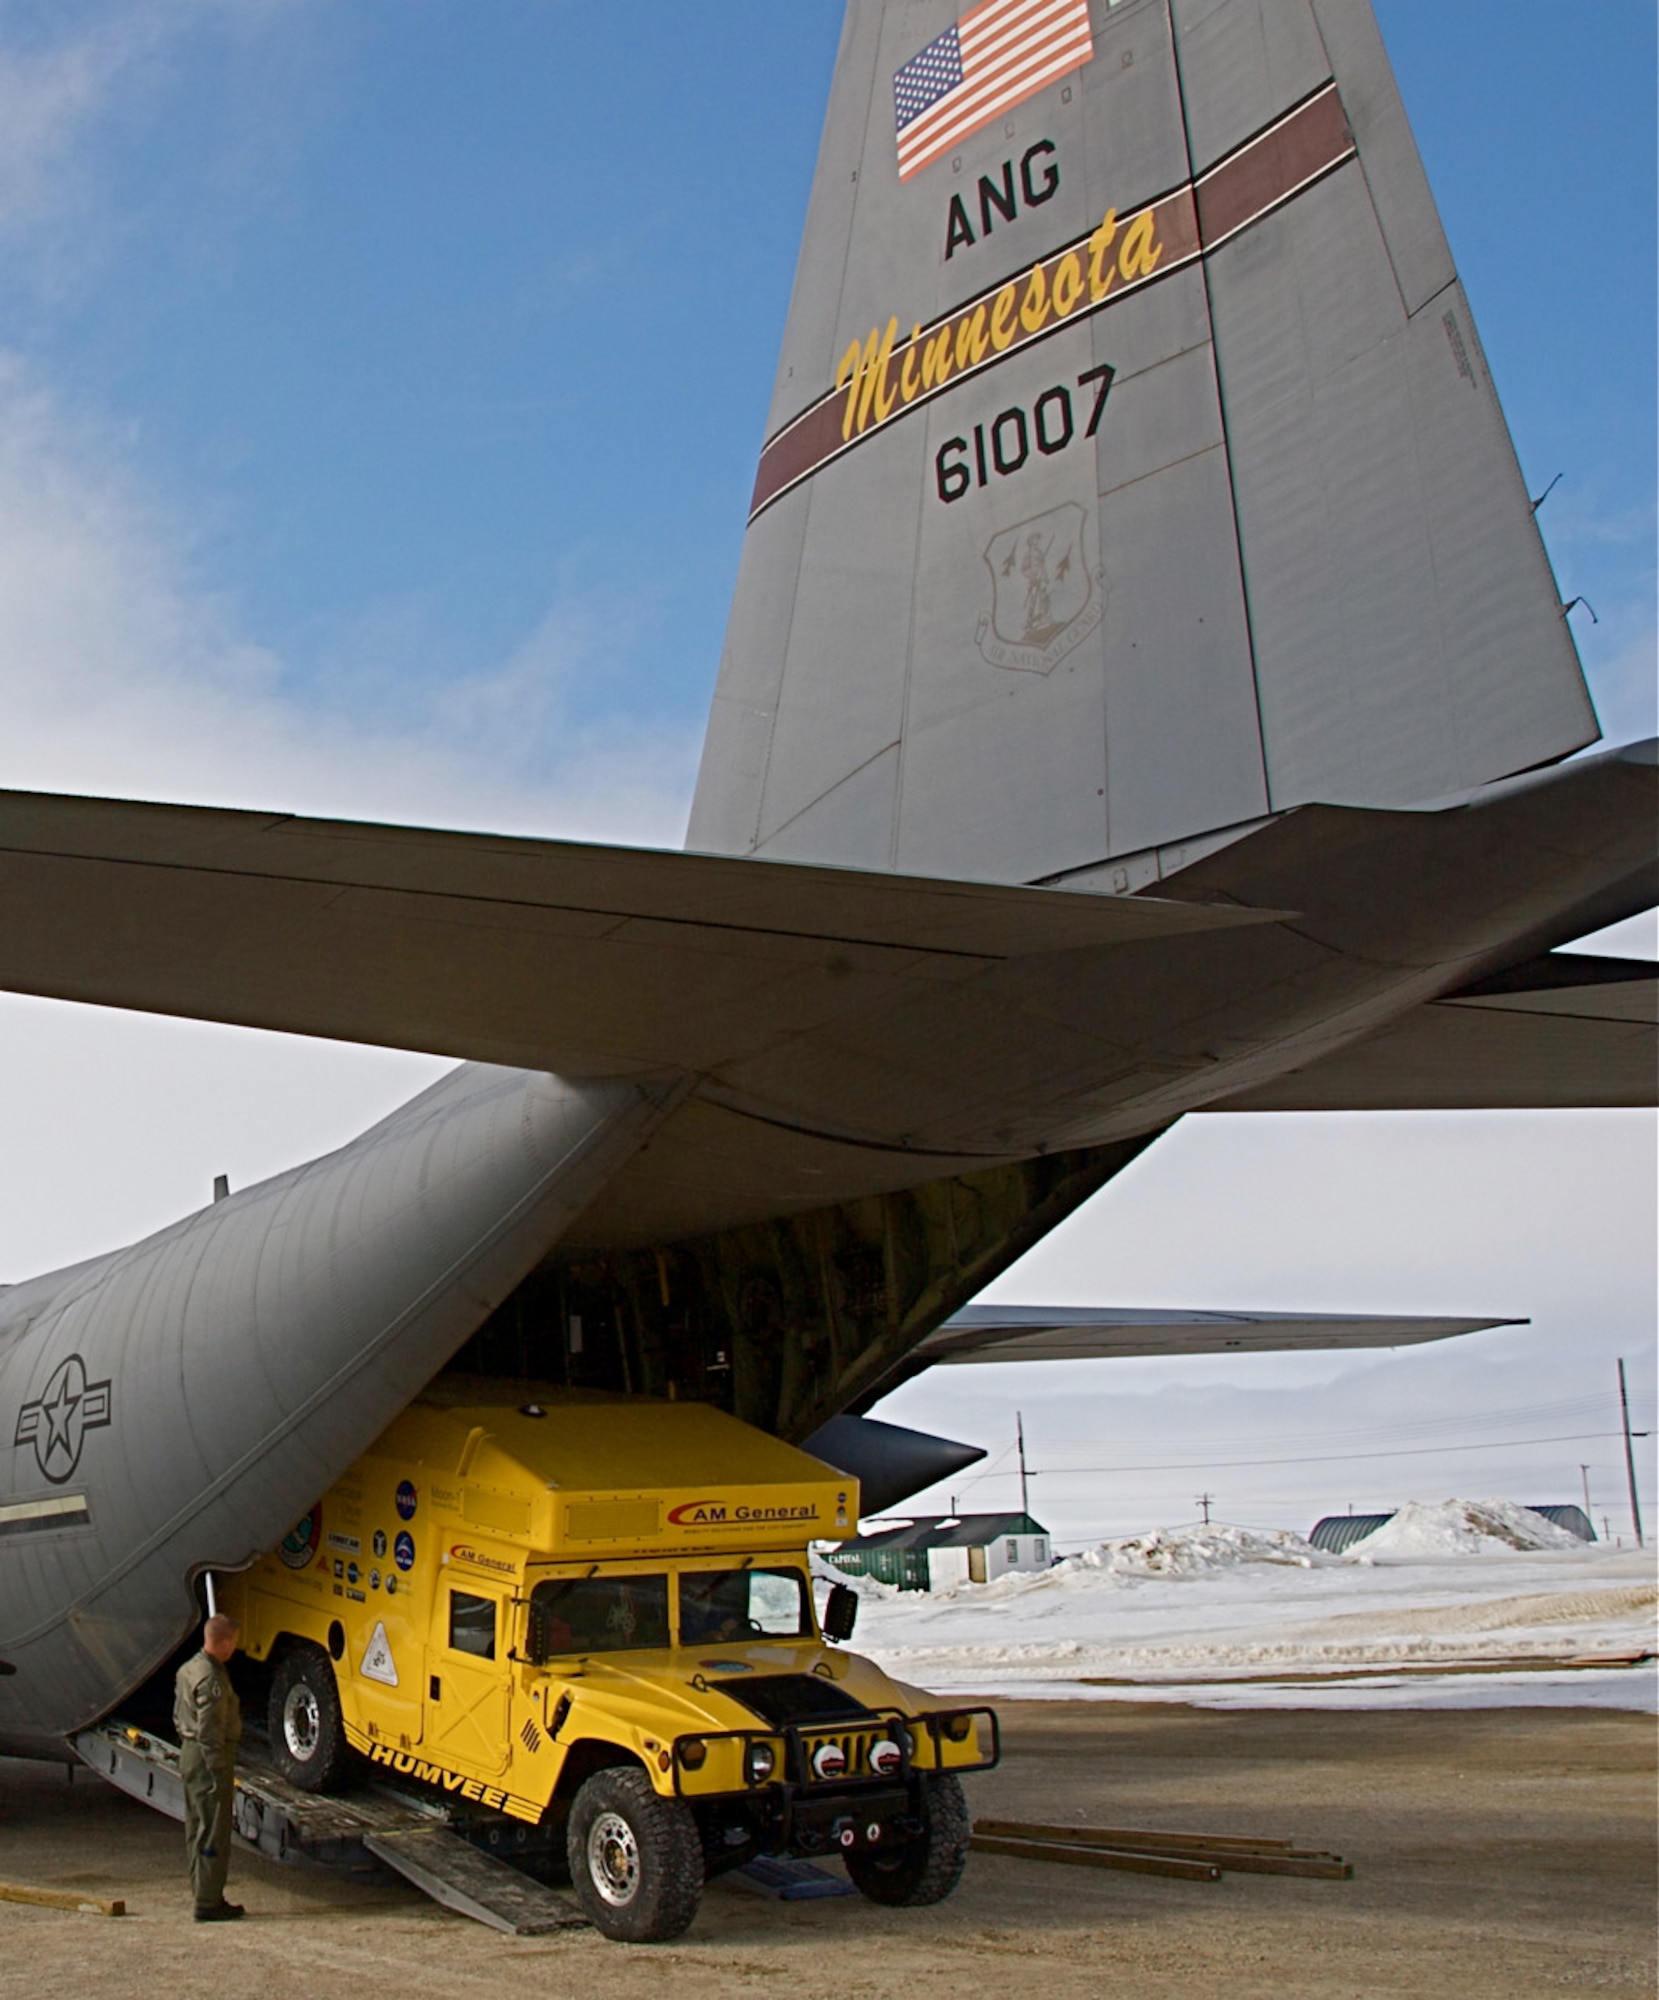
x: 726, y: 1604
x: 597, y: 1614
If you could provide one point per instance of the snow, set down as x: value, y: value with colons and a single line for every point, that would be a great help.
x: 1468, y: 1603
x: 1193, y: 1551
x: 1463, y: 1528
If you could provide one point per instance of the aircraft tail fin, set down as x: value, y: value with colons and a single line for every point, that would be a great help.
x: 1133, y: 469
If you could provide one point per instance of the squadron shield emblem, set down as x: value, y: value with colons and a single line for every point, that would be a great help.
x: 1046, y: 598
x: 300, y: 1545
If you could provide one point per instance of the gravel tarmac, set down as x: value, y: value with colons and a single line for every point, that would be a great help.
x: 1498, y: 1854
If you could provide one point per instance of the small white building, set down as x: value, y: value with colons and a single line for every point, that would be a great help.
x: 942, y: 1551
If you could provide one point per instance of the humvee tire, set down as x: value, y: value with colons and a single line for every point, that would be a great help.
x: 636, y: 1859
x: 928, y: 1868
x: 308, y: 1736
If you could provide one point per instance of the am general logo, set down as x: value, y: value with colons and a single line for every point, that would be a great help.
x: 722, y: 1514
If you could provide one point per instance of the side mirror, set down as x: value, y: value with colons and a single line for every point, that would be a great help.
x: 840, y: 1614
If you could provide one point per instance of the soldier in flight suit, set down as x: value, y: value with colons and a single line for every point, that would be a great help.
x: 208, y: 1718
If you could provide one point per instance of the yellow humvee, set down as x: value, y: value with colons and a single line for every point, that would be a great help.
x: 599, y: 1610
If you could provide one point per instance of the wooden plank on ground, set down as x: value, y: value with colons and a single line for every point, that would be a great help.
x: 1183, y: 1867
x: 1320, y: 1867
x: 63, y: 1899
x: 1238, y: 1853
x: 1123, y: 1836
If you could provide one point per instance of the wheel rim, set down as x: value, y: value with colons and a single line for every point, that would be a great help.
x: 302, y: 1723
x: 613, y: 1859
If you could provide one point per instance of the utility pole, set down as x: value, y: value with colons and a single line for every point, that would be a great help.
x: 1584, y: 1475
x: 1630, y: 1458
x: 1204, y: 1500
x: 1025, y: 1477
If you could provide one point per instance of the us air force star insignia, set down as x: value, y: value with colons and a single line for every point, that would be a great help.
x: 57, y: 1424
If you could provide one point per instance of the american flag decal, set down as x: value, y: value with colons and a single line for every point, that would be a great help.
x: 998, y: 54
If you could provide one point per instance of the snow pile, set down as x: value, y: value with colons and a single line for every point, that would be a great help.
x: 1197, y: 1551
x: 1461, y: 1528
x: 1432, y: 1628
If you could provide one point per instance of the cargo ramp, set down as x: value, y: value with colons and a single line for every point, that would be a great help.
x: 446, y: 1858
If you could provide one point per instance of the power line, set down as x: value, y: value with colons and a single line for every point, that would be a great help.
x: 1556, y: 1406
x: 992, y: 1470
x: 1580, y: 1406
x: 1436, y: 1426
x: 1322, y: 1458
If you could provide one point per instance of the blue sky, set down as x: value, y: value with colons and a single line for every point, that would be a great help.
x: 380, y: 389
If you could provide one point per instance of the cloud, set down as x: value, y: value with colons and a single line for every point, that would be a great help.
x: 1547, y: 1215
x: 1428, y: 1212
x: 1635, y: 937
x: 115, y: 1123
x: 1602, y: 547
x: 1619, y: 663
x: 50, y: 95
x: 1582, y: 514
x: 123, y: 673
x: 67, y: 78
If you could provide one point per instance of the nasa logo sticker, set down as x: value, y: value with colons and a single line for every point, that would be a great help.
x: 406, y: 1500
x: 403, y: 1550
x: 303, y: 1540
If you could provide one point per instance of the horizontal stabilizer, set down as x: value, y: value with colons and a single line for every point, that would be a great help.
x: 531, y: 953
x: 948, y: 1021
x: 1090, y: 1333
x: 1561, y: 1032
